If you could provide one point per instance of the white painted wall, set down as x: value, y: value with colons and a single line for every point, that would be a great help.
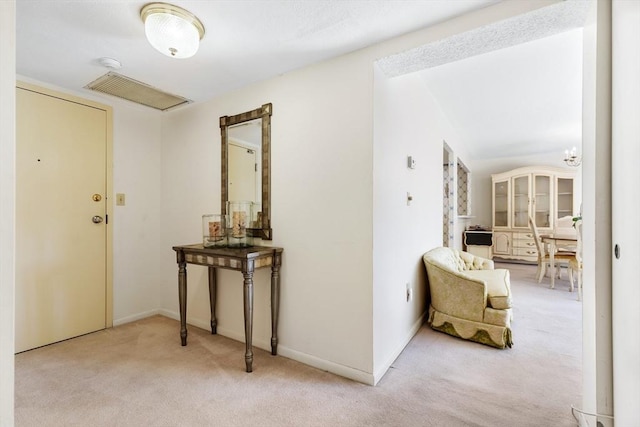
x: 7, y: 207
x: 136, y: 225
x: 323, y: 179
x: 321, y: 212
x: 407, y: 122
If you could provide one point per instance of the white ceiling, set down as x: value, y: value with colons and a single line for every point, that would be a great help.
x: 503, y: 100
x: 518, y: 101
x: 245, y: 41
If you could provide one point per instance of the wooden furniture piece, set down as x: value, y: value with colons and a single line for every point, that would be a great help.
x: 478, y: 242
x: 552, y: 255
x: 245, y: 260
x: 544, y: 193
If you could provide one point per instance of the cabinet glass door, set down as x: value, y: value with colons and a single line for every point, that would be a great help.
x: 564, y: 200
x: 542, y: 200
x: 521, y: 199
x: 501, y: 203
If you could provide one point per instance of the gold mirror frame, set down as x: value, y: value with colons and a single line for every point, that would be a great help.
x: 263, y: 113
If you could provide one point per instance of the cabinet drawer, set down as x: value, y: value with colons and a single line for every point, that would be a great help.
x: 521, y: 243
x: 523, y: 235
x: 524, y: 240
x: 525, y: 252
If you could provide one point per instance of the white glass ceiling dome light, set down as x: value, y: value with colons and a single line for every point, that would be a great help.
x: 172, y: 30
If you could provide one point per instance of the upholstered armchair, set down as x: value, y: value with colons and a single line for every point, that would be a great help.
x: 470, y: 299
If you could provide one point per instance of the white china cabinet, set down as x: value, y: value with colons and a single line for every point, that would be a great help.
x: 543, y: 193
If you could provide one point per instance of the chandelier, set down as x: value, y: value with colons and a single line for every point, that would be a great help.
x: 571, y: 158
x: 172, y: 30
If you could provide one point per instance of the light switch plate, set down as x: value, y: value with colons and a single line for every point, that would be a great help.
x: 119, y: 199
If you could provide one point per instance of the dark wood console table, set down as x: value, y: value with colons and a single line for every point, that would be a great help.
x: 245, y: 260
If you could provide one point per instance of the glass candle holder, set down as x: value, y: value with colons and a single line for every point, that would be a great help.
x: 239, y: 217
x: 214, y: 230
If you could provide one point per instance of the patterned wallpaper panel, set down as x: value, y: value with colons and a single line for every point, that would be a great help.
x: 445, y: 206
x: 448, y: 205
x: 463, y: 191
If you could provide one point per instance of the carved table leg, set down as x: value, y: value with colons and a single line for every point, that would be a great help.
x: 182, y: 296
x: 248, y: 318
x: 212, y: 299
x: 275, y: 303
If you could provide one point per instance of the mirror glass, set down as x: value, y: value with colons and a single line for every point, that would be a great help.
x: 246, y: 165
x: 244, y: 161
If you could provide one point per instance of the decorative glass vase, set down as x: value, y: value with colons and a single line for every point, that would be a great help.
x: 214, y: 230
x: 239, y: 217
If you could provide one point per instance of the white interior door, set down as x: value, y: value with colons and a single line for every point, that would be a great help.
x: 61, y: 253
x: 625, y: 141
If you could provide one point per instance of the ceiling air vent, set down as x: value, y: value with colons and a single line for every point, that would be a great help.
x: 135, y: 91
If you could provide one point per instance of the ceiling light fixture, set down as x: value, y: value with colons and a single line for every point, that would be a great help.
x: 571, y: 158
x: 172, y: 30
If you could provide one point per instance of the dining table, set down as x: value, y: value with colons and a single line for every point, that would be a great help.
x: 556, y: 241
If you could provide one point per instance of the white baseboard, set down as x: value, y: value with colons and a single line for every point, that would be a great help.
x: 206, y: 325
x: 307, y: 359
x: 326, y: 365
x: 170, y: 314
x: 385, y: 367
x: 133, y: 318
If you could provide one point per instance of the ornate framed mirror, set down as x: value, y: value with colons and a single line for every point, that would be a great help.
x: 246, y: 165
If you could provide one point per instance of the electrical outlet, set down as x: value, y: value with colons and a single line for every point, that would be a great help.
x: 411, y: 162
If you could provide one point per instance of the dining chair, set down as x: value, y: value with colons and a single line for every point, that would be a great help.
x: 575, y: 265
x: 544, y: 260
x: 564, y: 226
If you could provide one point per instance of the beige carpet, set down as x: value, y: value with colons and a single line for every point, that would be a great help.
x: 139, y: 375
